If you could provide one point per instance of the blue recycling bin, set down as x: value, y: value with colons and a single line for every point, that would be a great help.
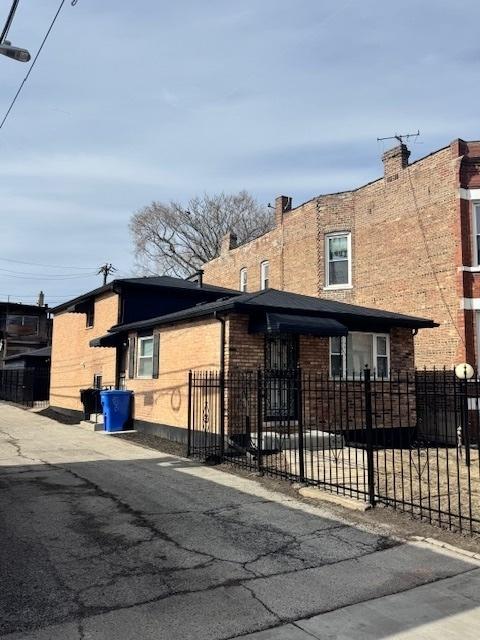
x: 116, y: 406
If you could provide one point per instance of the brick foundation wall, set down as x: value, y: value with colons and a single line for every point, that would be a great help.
x: 74, y: 362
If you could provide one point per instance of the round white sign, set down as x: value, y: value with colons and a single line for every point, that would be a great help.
x: 464, y: 371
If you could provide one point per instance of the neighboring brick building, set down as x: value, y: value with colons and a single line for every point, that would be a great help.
x: 408, y: 242
x: 271, y: 330
x: 75, y: 365
x: 23, y: 328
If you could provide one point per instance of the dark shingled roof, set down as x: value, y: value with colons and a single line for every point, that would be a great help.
x: 274, y: 300
x: 161, y: 282
x: 44, y: 352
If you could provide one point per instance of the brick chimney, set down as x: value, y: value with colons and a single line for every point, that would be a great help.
x: 394, y: 161
x: 282, y: 205
x: 228, y: 241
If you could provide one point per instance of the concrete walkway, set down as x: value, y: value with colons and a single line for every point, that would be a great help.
x: 102, y: 539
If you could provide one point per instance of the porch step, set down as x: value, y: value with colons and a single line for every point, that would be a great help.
x: 313, y: 439
x: 91, y: 426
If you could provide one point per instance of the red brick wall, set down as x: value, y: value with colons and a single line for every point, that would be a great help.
x: 326, y: 404
x: 410, y: 234
x: 290, y: 249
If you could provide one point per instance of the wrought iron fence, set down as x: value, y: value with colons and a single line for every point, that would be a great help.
x: 27, y: 387
x: 409, y: 441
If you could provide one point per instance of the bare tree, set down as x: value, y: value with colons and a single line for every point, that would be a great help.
x: 176, y: 240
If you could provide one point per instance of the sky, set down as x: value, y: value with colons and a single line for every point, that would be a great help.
x: 132, y: 102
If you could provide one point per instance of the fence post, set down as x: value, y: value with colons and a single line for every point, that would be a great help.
x: 189, y: 419
x: 301, y: 439
x: 369, y: 437
x: 259, y: 422
x: 465, y: 425
x: 222, y: 412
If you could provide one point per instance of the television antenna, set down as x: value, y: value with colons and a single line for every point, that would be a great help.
x: 401, y: 137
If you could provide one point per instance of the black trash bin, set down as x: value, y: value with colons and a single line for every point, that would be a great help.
x: 90, y: 398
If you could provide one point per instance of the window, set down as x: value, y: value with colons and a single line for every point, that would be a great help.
x: 22, y: 326
x: 476, y: 230
x: 348, y: 356
x: 97, y: 381
x: 336, y: 356
x: 264, y: 270
x: 338, y: 268
x: 243, y: 279
x: 145, y: 357
x: 90, y: 313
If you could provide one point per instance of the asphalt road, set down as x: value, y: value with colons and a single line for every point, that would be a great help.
x: 102, y: 539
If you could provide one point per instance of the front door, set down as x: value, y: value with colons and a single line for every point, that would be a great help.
x: 281, y: 362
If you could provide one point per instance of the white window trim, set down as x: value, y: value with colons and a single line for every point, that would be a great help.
x: 263, y: 264
x: 347, y: 285
x: 139, y: 357
x: 476, y: 233
x: 243, y: 285
x: 344, y: 355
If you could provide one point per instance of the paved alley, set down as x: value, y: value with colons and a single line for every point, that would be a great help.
x: 103, y: 539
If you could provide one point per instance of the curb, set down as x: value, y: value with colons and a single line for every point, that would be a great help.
x: 446, y: 546
x: 315, y: 493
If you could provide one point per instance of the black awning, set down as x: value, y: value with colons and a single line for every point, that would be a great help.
x: 286, y: 323
x: 108, y: 340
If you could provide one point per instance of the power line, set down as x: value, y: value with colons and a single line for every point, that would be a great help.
x: 8, y: 22
x: 32, y: 65
x: 40, y: 277
x: 47, y: 266
x: 430, y: 260
x: 49, y: 275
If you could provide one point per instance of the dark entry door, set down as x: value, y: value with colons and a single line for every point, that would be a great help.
x: 281, y: 362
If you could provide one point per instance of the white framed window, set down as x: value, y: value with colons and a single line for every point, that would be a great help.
x: 476, y: 234
x: 264, y: 274
x: 243, y: 279
x: 350, y: 355
x: 338, y: 260
x: 145, y: 357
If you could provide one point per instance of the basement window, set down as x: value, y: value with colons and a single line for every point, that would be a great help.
x: 350, y: 355
x: 338, y: 262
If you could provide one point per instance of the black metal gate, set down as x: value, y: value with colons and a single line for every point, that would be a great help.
x: 24, y: 386
x: 409, y: 441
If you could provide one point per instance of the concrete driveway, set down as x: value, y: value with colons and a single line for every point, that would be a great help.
x: 102, y: 539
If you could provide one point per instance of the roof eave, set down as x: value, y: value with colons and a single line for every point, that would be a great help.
x: 110, y: 286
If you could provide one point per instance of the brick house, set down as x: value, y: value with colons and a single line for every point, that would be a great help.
x: 408, y: 242
x: 268, y: 330
x: 75, y: 365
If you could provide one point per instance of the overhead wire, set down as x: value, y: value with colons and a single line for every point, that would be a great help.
x: 46, y: 266
x: 22, y: 84
x: 50, y: 276
x: 8, y: 22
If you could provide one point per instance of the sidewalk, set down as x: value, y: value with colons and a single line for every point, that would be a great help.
x: 445, y: 610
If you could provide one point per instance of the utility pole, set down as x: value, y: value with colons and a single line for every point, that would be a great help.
x: 106, y: 269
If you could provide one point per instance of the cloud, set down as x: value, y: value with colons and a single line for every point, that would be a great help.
x: 131, y: 102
